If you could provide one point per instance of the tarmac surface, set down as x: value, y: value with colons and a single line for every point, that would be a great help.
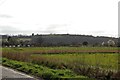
x: 10, y: 74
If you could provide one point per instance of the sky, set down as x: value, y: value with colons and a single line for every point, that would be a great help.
x: 85, y: 17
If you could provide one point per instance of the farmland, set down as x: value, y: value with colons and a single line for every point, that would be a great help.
x: 92, y: 62
x: 61, y: 49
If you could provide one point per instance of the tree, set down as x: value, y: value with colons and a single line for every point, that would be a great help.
x: 21, y: 42
x: 96, y: 44
x: 12, y: 41
x: 8, y: 39
x: 37, y: 41
x: 32, y: 34
x: 85, y: 43
x: 4, y: 43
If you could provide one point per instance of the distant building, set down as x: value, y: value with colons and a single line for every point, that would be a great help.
x: 111, y: 42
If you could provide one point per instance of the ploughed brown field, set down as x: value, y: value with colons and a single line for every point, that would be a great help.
x: 78, y: 51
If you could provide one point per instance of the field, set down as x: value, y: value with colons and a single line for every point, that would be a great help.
x: 93, y: 62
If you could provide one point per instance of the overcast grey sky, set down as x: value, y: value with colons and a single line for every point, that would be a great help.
x: 90, y: 17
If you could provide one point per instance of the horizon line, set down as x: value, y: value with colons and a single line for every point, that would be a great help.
x: 59, y: 34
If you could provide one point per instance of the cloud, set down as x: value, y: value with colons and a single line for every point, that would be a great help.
x: 56, y: 28
x: 97, y: 32
x: 5, y: 16
x: 2, y: 2
x: 8, y: 29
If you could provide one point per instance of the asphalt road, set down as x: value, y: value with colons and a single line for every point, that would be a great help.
x: 10, y: 74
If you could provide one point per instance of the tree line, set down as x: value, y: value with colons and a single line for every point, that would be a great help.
x: 37, y: 41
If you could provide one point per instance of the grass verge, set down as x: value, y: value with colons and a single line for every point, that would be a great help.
x: 42, y: 71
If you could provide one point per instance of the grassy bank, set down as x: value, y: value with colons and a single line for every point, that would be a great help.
x: 41, y: 71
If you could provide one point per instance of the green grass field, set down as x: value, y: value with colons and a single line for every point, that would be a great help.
x: 82, y: 63
x: 103, y: 60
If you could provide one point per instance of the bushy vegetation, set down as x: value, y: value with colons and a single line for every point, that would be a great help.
x: 41, y: 71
